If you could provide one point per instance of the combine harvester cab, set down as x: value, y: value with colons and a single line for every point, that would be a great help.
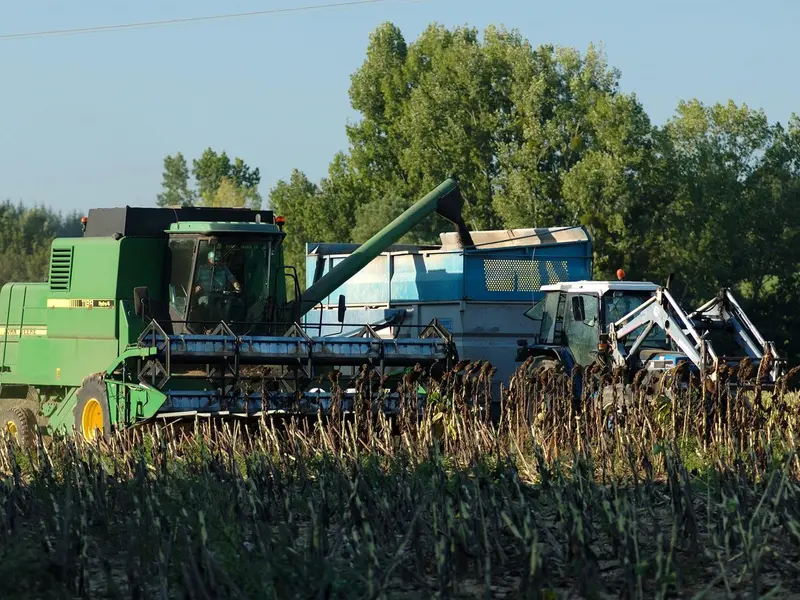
x: 635, y: 326
x: 181, y: 312
x: 478, y: 291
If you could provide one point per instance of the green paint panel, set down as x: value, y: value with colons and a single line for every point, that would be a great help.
x: 68, y: 328
x: 23, y: 321
x: 83, y: 304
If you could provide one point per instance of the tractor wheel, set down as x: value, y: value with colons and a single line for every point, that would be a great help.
x: 92, y: 416
x: 543, y: 364
x: 21, y: 424
x: 543, y: 369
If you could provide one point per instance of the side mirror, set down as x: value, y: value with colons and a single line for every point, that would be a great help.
x: 342, y: 309
x: 141, y: 301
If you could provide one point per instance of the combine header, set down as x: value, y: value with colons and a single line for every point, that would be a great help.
x: 180, y: 312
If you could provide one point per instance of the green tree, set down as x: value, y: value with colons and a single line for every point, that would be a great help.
x: 736, y: 219
x: 25, y: 238
x: 297, y: 200
x: 536, y: 137
x: 509, y: 121
x: 208, y: 171
x: 375, y: 215
x: 342, y: 199
x: 219, y: 182
x: 617, y: 189
x: 543, y: 136
x: 718, y: 149
x: 211, y: 170
x: 328, y: 212
x: 227, y: 194
x: 175, y: 182
x: 770, y: 253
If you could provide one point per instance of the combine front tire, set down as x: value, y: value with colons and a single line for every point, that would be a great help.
x: 21, y: 424
x: 92, y: 417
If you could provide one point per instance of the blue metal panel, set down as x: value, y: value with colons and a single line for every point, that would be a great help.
x: 355, y: 319
x: 435, y: 277
x: 431, y: 278
x: 517, y: 274
x: 369, y: 285
x: 501, y: 274
x: 208, y: 403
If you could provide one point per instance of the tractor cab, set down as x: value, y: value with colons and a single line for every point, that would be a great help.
x: 225, y: 273
x: 572, y: 320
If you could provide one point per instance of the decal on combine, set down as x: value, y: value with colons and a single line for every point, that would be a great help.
x: 17, y: 332
x: 73, y: 303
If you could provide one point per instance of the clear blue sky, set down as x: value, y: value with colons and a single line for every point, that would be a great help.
x: 86, y: 120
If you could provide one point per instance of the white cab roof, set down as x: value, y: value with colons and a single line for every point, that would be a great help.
x: 600, y: 287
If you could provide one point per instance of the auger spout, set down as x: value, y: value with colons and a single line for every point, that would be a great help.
x: 445, y: 199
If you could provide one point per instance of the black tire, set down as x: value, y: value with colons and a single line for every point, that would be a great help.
x: 91, y: 412
x: 543, y: 366
x: 543, y: 363
x: 20, y: 422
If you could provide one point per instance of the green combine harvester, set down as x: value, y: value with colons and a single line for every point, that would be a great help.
x: 173, y: 313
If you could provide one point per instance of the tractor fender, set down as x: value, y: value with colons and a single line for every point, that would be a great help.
x: 537, y: 350
x: 545, y: 359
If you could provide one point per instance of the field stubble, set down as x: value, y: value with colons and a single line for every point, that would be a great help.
x: 689, y: 494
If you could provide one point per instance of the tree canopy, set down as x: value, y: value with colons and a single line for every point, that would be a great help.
x: 25, y: 238
x: 219, y: 182
x: 544, y: 136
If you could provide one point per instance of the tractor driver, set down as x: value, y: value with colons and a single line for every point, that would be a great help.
x: 214, y: 276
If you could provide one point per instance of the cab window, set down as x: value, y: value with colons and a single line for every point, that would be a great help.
x: 619, y: 303
x: 543, y: 315
x: 582, y: 326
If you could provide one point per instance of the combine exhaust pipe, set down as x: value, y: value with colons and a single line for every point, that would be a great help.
x: 445, y: 199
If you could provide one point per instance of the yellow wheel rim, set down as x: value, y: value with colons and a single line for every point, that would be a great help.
x: 11, y: 427
x: 92, y: 419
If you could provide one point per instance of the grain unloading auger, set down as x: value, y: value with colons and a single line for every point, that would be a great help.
x: 180, y: 312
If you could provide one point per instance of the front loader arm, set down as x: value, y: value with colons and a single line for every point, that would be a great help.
x: 661, y: 310
x: 724, y: 311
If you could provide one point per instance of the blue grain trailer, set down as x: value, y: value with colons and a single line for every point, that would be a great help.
x: 479, y: 294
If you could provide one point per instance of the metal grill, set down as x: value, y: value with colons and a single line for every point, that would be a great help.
x: 60, y: 268
x: 514, y: 275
